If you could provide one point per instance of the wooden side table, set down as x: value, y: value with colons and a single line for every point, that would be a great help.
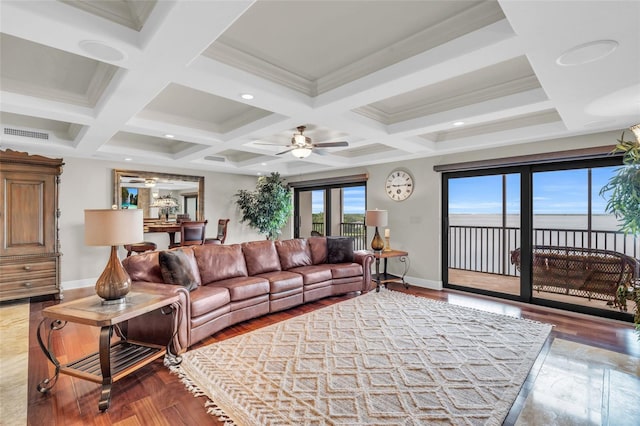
x: 113, y: 361
x: 384, y: 278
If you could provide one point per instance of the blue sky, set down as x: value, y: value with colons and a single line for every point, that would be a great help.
x: 354, y: 200
x: 555, y: 192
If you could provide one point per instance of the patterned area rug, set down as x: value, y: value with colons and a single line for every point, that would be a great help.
x: 380, y: 358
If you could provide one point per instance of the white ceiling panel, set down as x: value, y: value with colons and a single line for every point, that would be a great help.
x: 388, y: 77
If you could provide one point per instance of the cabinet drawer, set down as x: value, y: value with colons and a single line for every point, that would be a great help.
x: 27, y: 284
x: 27, y: 270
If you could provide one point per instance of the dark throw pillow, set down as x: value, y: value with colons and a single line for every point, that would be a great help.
x: 339, y: 249
x: 175, y: 269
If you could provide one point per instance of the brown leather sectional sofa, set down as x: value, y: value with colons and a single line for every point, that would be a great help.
x: 243, y: 281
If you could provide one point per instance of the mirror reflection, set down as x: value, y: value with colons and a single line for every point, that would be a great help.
x: 161, y: 196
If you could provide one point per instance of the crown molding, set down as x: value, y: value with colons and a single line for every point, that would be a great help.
x: 449, y: 29
x: 512, y: 87
x: 237, y: 58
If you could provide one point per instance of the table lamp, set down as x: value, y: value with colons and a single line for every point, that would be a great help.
x: 113, y: 228
x: 165, y: 203
x: 376, y: 218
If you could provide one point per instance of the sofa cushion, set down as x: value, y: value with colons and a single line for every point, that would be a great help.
x: 293, y: 253
x: 260, y: 257
x: 346, y: 270
x: 281, y: 281
x: 206, y: 299
x: 219, y: 262
x: 144, y: 267
x: 176, y: 268
x: 241, y: 288
x: 318, y: 249
x: 339, y: 249
x: 314, y: 273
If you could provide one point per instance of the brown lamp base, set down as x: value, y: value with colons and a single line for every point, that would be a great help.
x: 114, y: 283
x: 377, y: 244
x: 121, y: 301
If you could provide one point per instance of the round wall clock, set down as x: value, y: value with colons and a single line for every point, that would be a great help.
x: 399, y: 185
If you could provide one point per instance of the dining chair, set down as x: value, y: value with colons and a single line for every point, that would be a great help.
x: 222, y: 233
x: 191, y: 233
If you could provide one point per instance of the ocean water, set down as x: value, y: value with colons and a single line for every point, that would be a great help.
x: 546, y: 221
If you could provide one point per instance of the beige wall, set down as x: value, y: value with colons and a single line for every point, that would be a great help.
x: 87, y: 184
x: 414, y: 223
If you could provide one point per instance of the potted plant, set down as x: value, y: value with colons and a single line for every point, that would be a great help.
x: 267, y: 208
x: 624, y: 202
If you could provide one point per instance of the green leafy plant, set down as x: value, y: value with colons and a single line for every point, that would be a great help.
x: 624, y: 201
x: 268, y: 208
x: 624, y: 188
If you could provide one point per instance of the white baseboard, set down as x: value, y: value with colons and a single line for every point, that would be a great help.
x: 421, y: 282
x: 71, y: 285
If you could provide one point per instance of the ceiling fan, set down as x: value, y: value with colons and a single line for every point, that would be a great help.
x: 301, y: 146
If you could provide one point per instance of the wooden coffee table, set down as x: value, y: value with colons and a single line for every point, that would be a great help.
x: 113, y: 361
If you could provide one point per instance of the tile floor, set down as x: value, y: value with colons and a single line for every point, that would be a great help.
x: 583, y: 385
x: 14, y: 362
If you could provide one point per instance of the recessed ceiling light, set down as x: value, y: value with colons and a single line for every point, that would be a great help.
x: 246, y: 96
x: 169, y: 136
x: 263, y: 164
x: 458, y: 123
x: 259, y: 173
x: 128, y: 159
x: 588, y: 52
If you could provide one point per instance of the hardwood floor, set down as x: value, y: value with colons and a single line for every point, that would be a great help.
x: 154, y: 396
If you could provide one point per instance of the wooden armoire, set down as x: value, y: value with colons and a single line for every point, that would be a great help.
x: 30, y: 252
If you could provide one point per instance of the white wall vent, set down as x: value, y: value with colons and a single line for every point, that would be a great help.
x: 26, y: 133
x: 214, y: 158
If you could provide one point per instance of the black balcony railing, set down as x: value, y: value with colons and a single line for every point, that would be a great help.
x: 318, y: 227
x: 488, y: 248
x: 356, y: 230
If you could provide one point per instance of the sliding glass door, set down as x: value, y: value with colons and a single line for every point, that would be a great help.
x: 331, y: 210
x: 483, y: 231
x: 578, y: 252
x: 539, y: 234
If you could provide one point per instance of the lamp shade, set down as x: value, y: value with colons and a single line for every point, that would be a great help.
x: 165, y: 201
x: 109, y: 227
x: 376, y: 218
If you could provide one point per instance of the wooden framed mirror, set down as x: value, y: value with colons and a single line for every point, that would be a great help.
x: 140, y: 190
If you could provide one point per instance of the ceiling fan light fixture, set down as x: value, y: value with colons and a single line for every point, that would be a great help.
x: 299, y: 140
x: 302, y: 152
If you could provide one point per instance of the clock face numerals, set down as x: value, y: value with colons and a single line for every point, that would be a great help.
x: 399, y: 185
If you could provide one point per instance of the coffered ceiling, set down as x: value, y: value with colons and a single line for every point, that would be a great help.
x: 397, y: 79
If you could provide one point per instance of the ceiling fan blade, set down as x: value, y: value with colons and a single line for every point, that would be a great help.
x: 331, y: 144
x: 285, y: 151
x: 270, y: 143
